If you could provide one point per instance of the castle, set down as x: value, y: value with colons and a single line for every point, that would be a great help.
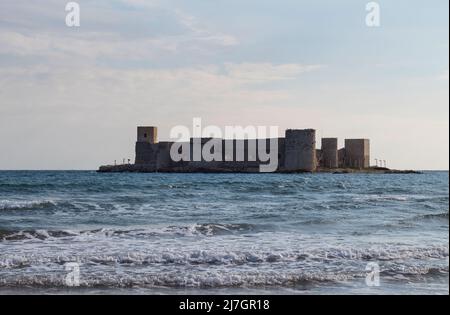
x: 296, y: 152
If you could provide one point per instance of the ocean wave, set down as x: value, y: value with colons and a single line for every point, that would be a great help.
x: 177, y: 280
x: 318, y: 221
x: 396, y: 272
x: 210, y: 279
x: 58, y: 204
x: 209, y: 229
x: 216, y: 257
x: 26, y: 186
x: 26, y: 204
x: 437, y: 216
x: 380, y: 198
x: 33, y: 234
x: 158, y: 263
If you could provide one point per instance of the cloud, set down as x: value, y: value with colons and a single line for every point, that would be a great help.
x: 267, y: 72
x: 88, y: 46
x: 149, y: 33
x: 141, y: 3
x: 101, y: 88
x: 202, y: 33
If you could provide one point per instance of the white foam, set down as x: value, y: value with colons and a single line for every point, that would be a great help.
x: 25, y: 204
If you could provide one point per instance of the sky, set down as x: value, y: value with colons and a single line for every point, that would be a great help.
x: 71, y: 97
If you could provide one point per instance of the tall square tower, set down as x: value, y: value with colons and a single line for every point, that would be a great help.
x: 357, y: 153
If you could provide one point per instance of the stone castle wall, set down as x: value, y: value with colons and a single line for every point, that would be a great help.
x: 300, y: 150
x: 357, y: 153
x: 330, y: 152
x: 296, y: 152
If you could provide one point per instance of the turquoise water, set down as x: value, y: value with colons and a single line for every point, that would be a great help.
x: 224, y: 233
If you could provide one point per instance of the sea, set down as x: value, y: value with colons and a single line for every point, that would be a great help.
x: 82, y: 232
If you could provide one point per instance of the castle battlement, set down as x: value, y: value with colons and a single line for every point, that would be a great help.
x: 296, y: 152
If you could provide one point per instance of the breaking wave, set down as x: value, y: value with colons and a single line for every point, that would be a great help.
x: 209, y: 229
x: 212, y: 278
x: 381, y: 198
x: 27, y: 204
x: 219, y: 257
x: 438, y: 216
x: 175, y: 280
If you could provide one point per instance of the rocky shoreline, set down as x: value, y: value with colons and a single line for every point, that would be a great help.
x: 134, y: 168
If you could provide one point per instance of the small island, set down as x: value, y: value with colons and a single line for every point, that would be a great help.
x: 294, y: 153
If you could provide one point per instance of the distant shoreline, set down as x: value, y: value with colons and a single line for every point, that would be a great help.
x: 133, y: 168
x: 322, y: 171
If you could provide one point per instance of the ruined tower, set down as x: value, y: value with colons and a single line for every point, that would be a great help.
x: 330, y: 152
x: 357, y: 153
x: 300, y: 150
x: 146, y: 145
x: 147, y: 134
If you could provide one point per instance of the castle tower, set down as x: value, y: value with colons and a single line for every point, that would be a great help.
x: 147, y: 134
x: 146, y: 145
x: 330, y: 152
x: 357, y: 153
x: 300, y: 150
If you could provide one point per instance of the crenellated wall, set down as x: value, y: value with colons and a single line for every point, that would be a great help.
x: 296, y: 152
